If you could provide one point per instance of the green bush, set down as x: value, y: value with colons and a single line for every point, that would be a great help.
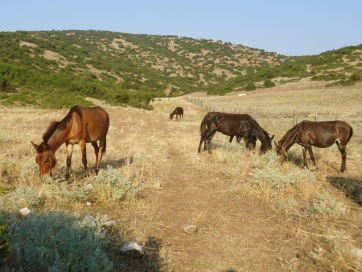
x: 56, y: 241
x: 268, y: 83
x: 114, y: 184
x: 250, y: 87
x: 4, y: 243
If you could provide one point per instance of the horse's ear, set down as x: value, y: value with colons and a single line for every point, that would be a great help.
x: 35, y: 146
x: 272, y: 138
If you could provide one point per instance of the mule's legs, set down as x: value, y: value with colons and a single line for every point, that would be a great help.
x: 96, y: 151
x: 201, y: 140
x: 69, y: 148
x: 84, y: 156
x: 208, y: 141
x: 342, y: 149
x: 100, y: 150
x: 304, y: 148
x: 206, y: 138
x: 311, y: 154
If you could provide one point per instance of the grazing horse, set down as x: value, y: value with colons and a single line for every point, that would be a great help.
x: 79, y: 126
x: 318, y: 134
x: 250, y: 142
x: 179, y: 111
x: 241, y: 125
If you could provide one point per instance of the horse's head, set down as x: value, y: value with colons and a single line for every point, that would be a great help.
x: 280, y: 150
x: 268, y: 144
x: 171, y: 116
x: 278, y: 147
x: 45, y: 158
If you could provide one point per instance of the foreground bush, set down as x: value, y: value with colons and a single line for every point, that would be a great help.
x: 56, y: 241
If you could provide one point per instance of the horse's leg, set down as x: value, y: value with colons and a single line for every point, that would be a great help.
x: 342, y: 149
x: 231, y: 139
x: 84, y: 156
x: 69, y: 148
x: 98, y: 155
x: 201, y: 140
x: 209, y: 138
x: 309, y: 147
x: 304, y: 149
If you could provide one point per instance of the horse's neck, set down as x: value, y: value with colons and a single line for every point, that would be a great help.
x: 57, y: 139
x: 259, y: 133
x: 289, y: 139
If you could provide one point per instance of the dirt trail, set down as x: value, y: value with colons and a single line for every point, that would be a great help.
x: 235, y: 232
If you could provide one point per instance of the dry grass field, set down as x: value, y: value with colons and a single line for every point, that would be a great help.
x: 250, y: 212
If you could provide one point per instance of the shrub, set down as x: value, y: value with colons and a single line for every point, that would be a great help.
x: 4, y: 242
x: 56, y: 241
x: 250, y: 87
x: 111, y: 184
x: 268, y: 83
x: 327, y: 205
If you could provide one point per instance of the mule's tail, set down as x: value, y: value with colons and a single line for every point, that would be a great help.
x: 203, y: 127
x: 104, y: 147
x: 350, y: 134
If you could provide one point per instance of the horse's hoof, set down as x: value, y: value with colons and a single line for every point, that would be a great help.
x: 67, y: 177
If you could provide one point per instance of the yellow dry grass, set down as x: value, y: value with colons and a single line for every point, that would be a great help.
x: 244, y: 224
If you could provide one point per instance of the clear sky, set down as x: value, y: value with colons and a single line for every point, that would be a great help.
x: 288, y: 27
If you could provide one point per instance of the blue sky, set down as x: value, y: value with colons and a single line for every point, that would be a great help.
x: 288, y: 27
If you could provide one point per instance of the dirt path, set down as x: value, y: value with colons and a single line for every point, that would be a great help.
x: 235, y: 232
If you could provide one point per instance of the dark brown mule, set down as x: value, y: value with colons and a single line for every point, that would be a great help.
x: 179, y: 112
x: 250, y: 142
x: 79, y: 126
x: 318, y: 134
x: 242, y: 125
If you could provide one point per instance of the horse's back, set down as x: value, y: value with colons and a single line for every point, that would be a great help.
x: 95, y: 121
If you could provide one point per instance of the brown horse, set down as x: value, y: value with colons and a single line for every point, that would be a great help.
x: 179, y: 112
x: 241, y: 125
x: 79, y: 126
x: 250, y: 142
x: 318, y: 134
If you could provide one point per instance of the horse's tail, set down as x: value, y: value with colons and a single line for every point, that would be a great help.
x: 105, y: 147
x: 203, y: 126
x: 350, y: 134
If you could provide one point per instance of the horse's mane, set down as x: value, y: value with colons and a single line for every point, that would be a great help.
x: 291, y: 130
x: 62, y: 124
x: 258, y: 126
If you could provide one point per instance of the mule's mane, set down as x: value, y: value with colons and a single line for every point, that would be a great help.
x: 258, y: 126
x: 290, y: 131
x: 62, y: 124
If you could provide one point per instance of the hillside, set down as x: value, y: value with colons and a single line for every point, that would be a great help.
x: 130, y: 69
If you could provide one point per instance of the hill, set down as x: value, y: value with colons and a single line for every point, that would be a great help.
x: 54, y: 69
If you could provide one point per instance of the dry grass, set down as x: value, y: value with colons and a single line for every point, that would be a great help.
x: 252, y: 214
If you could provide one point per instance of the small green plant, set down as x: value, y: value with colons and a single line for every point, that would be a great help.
x: 327, y: 205
x: 112, y: 185
x: 26, y: 196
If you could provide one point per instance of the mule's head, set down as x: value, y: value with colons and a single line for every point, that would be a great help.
x: 45, y: 158
x: 280, y: 150
x: 278, y: 147
x: 268, y: 144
